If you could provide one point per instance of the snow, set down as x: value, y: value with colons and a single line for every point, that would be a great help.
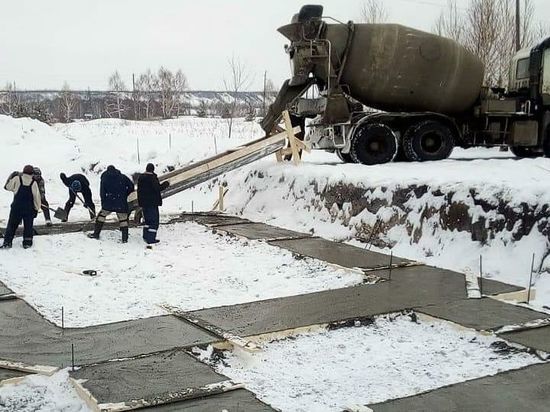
x: 190, y: 269
x: 392, y: 358
x: 42, y: 393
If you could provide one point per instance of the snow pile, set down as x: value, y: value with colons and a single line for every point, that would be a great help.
x: 446, y: 213
x: 191, y: 269
x: 89, y: 147
x: 392, y: 358
x: 41, y: 393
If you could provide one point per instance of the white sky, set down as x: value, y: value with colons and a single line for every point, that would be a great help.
x: 45, y: 42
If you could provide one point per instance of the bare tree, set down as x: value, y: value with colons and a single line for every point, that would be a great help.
x: 68, y: 102
x: 451, y: 22
x: 237, y: 81
x: 170, y: 87
x: 146, y: 86
x: 9, y: 100
x: 116, y: 85
x: 374, y: 11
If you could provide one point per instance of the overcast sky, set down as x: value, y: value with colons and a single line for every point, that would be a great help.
x: 46, y: 42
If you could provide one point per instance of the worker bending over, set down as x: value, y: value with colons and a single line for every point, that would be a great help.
x: 25, y: 206
x: 44, y: 205
x: 149, y: 199
x: 114, y: 190
x: 78, y: 183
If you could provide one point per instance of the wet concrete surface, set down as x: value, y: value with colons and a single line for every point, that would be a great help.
x: 157, y: 378
x: 482, y: 314
x: 261, y: 231
x: 338, y: 253
x: 208, y: 219
x: 412, y: 287
x: 10, y: 374
x: 538, y: 338
x: 239, y: 400
x: 521, y: 390
x: 28, y: 338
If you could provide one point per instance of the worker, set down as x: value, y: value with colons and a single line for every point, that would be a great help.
x: 149, y: 199
x: 25, y: 206
x: 115, y: 188
x: 44, y: 205
x: 78, y: 183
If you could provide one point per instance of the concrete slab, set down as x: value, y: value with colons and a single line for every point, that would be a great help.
x: 338, y: 253
x: 521, y: 390
x: 261, y: 231
x: 410, y: 287
x: 10, y: 374
x: 482, y: 314
x: 26, y: 337
x: 538, y: 338
x: 239, y: 400
x: 210, y: 219
x: 156, y: 379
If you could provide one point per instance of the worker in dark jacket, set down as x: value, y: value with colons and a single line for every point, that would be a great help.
x: 25, y: 206
x: 78, y: 183
x: 149, y: 199
x: 45, y: 206
x: 115, y: 188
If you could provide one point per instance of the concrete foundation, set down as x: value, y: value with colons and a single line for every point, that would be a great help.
x: 155, y: 379
x: 538, y: 338
x: 239, y: 400
x: 210, y: 219
x: 26, y: 337
x: 260, y: 231
x: 482, y: 314
x: 338, y: 253
x: 521, y: 390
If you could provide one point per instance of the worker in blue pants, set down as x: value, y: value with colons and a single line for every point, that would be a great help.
x: 150, y: 199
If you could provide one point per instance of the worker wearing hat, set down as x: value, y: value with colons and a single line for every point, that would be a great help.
x: 78, y: 183
x: 25, y: 206
x: 37, y: 175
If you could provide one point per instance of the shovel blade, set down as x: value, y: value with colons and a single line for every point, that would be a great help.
x: 60, y: 214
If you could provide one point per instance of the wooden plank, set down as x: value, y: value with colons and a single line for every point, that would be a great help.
x: 215, y: 330
x: 291, y: 138
x: 534, y: 324
x: 38, y: 369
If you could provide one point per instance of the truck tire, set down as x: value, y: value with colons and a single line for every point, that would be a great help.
x: 525, y: 152
x: 373, y: 144
x: 428, y: 140
x: 344, y: 157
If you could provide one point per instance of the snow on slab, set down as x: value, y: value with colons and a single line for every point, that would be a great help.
x: 391, y: 358
x: 41, y: 393
x: 191, y: 269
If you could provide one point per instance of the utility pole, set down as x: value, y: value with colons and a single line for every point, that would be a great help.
x: 518, y: 23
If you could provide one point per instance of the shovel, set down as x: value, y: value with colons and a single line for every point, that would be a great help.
x: 83, y: 202
x: 58, y: 213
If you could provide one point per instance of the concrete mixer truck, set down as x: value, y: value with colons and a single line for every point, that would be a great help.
x: 373, y: 93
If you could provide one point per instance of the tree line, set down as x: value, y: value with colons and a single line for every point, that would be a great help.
x: 160, y: 94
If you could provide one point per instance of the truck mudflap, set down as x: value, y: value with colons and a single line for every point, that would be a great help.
x: 286, y: 98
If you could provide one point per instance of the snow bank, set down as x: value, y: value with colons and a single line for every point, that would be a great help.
x: 391, y: 358
x: 42, y: 393
x: 191, y: 269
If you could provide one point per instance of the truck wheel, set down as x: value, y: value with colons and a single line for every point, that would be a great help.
x: 428, y: 140
x: 373, y: 144
x: 525, y: 152
x: 344, y: 157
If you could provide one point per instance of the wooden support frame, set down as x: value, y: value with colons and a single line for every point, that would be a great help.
x: 294, y: 146
x: 219, y: 203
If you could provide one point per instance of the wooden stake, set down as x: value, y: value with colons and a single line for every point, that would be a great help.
x: 291, y: 138
x: 391, y: 262
x: 72, y: 355
x: 220, y: 197
x: 481, y: 275
x: 62, y: 319
x: 531, y: 279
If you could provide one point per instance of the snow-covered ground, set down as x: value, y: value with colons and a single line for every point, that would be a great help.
x: 281, y: 193
x: 392, y: 358
x: 190, y: 269
x: 42, y: 393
